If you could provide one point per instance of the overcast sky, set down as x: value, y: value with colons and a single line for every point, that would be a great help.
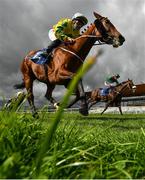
x: 24, y: 26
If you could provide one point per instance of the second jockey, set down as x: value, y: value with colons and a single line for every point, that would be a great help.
x: 112, y: 81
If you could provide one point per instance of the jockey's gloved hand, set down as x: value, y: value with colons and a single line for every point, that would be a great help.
x: 71, y: 41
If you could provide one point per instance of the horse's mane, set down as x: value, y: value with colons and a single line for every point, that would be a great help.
x: 86, y: 29
x: 122, y: 83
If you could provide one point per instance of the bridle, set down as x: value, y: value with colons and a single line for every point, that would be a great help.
x: 126, y: 85
x: 92, y: 36
x: 99, y: 27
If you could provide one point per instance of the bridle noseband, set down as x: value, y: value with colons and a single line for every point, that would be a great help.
x: 103, y: 39
x: 125, y: 85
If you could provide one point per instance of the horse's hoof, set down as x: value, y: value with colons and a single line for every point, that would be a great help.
x: 35, y: 115
x: 84, y: 110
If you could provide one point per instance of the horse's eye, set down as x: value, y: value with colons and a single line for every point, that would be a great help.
x: 107, y: 21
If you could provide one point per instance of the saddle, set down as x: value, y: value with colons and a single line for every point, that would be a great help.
x: 41, y: 57
x: 104, y: 91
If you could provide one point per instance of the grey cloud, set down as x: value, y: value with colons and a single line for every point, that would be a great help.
x: 24, y: 26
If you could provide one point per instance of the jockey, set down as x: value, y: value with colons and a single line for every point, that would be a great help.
x: 66, y: 30
x: 112, y: 81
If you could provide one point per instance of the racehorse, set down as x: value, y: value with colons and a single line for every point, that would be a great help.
x: 66, y: 60
x: 113, y: 98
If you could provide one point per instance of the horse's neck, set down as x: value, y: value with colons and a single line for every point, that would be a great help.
x: 121, y: 87
x: 84, y: 44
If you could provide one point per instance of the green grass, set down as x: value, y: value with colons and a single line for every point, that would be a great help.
x: 71, y: 146
x: 108, y: 146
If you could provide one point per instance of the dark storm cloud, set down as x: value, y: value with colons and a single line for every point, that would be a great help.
x: 128, y: 16
x: 24, y: 26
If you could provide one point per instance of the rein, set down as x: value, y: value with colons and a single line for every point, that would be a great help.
x: 83, y: 36
x: 123, y: 88
x: 92, y: 36
x: 66, y: 50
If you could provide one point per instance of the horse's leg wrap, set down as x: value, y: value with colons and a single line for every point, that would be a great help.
x: 56, y: 105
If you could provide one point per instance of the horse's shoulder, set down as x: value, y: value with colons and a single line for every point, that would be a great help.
x: 63, y: 49
x: 64, y: 46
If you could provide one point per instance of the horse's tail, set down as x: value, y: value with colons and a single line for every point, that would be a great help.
x: 19, y: 86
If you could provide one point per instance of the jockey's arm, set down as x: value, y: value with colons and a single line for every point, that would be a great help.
x: 61, y: 28
x: 117, y: 82
x: 107, y: 84
x: 63, y: 37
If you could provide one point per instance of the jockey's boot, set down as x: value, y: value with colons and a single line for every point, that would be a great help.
x: 45, y: 55
x: 35, y: 59
x: 53, y: 45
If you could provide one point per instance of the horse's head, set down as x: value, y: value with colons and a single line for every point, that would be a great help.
x: 127, y: 86
x: 109, y: 33
x: 131, y: 85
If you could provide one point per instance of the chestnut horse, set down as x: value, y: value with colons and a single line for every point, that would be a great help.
x: 66, y: 60
x: 113, y: 98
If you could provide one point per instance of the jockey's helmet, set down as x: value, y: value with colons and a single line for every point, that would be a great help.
x: 117, y: 76
x: 80, y: 17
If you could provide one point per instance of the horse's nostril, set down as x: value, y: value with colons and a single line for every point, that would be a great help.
x: 121, y: 38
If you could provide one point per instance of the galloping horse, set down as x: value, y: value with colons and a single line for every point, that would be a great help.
x: 113, y: 98
x: 66, y: 60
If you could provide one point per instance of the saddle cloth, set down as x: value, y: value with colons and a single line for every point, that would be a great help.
x: 40, y: 57
x: 104, y: 91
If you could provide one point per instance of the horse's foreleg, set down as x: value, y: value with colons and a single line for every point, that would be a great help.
x: 49, y: 97
x: 80, y: 95
x: 92, y: 104
x: 120, y: 110
x: 84, y: 106
x: 106, y: 107
x: 76, y: 99
x: 118, y: 104
x: 29, y: 86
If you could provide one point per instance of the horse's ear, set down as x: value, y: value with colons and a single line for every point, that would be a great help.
x: 98, y: 16
x: 129, y: 79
